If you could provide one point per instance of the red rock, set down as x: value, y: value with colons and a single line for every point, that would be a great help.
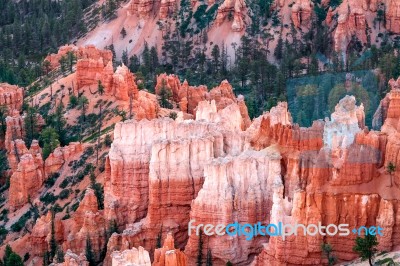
x: 54, y: 59
x: 11, y: 97
x: 237, y: 9
x: 302, y: 13
x: 168, y: 255
x: 351, y: 22
x: 393, y: 16
x: 28, y: 178
x: 59, y: 156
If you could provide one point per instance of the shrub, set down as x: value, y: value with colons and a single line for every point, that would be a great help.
x: 51, y: 180
x: 17, y: 226
x: 64, y: 183
x: 64, y: 194
x: 48, y: 198
x: 73, y: 101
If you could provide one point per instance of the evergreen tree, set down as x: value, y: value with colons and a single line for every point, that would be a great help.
x: 49, y: 139
x: 90, y: 256
x: 124, y: 57
x: 366, y: 247
x: 98, y: 191
x: 100, y: 88
x: 164, y: 96
x: 31, y: 126
x: 123, y: 32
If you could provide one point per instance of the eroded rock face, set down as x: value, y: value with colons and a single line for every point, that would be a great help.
x: 311, y: 208
x: 60, y: 155
x: 235, y: 189
x: 11, y: 98
x: 28, y: 178
x: 73, y: 233
x: 168, y: 255
x: 54, y: 59
x: 188, y: 97
x: 351, y: 22
x: 138, y: 190
x: 139, y: 257
x: 301, y: 13
x: 144, y: 8
x: 71, y: 259
x: 393, y: 16
x: 235, y: 9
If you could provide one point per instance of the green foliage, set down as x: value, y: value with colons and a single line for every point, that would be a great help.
x: 50, y: 140
x: 11, y: 258
x: 31, y: 126
x: 29, y: 30
x: 73, y: 101
x: 57, y: 121
x: 17, y: 226
x: 164, y: 96
x: 3, y: 162
x: 100, y: 88
x: 173, y: 115
x: 64, y: 194
x: 48, y: 198
x: 229, y: 263
x: 108, y: 140
x: 366, y: 247
x: 90, y: 255
x: 391, y: 168
x: 327, y: 251
x: 98, y: 191
x: 123, y: 32
x: 51, y: 179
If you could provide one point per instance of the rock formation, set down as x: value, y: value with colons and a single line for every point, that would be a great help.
x: 59, y: 156
x: 139, y: 257
x: 28, y: 178
x: 351, y: 23
x: 11, y: 98
x: 393, y: 16
x: 235, y: 8
x: 310, y: 208
x: 138, y: 190
x: 168, y: 255
x: 144, y: 8
x: 54, y: 59
x: 189, y: 97
x: 71, y: 259
x: 302, y: 13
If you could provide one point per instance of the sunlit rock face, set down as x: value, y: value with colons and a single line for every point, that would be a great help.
x: 235, y: 7
x: 139, y: 257
x: 11, y: 98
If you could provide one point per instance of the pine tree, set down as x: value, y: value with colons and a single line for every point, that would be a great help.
x: 164, y: 96
x: 366, y: 247
x: 100, y: 88
x: 49, y: 139
x: 123, y: 33
x: 90, y: 256
x: 124, y: 57
x: 31, y: 126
